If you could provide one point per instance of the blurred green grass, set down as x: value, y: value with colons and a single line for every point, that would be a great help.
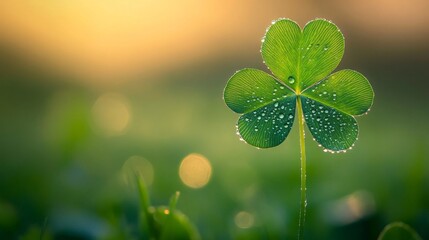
x: 56, y: 164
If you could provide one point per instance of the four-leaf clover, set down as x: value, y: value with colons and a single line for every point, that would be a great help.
x: 301, y: 61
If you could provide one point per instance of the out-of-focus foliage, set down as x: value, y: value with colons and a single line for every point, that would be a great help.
x: 76, y: 182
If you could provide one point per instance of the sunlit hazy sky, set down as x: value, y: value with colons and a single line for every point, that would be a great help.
x: 108, y: 40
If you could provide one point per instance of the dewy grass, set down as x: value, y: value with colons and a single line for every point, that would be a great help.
x: 301, y: 61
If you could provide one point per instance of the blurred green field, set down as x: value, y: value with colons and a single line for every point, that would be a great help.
x: 62, y: 163
x: 64, y: 139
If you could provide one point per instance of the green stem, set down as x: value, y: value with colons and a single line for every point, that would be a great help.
x: 303, y: 204
x: 147, y: 220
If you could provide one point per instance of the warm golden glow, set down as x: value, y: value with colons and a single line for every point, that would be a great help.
x: 244, y: 220
x: 140, y: 166
x: 110, y: 40
x: 195, y: 171
x: 111, y: 114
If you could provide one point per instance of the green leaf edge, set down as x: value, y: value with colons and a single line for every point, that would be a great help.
x: 281, y: 83
x: 240, y: 135
x: 324, y: 103
x: 301, y: 30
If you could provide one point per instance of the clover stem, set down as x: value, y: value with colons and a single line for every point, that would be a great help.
x: 303, y: 204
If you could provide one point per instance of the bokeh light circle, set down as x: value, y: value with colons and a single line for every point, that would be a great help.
x: 244, y: 219
x: 195, y: 170
x: 111, y: 114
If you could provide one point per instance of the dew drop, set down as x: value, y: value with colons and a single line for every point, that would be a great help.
x: 290, y: 116
x: 291, y: 80
x: 281, y: 116
x: 276, y: 104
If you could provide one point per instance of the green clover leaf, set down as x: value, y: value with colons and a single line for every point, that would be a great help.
x: 301, y: 61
